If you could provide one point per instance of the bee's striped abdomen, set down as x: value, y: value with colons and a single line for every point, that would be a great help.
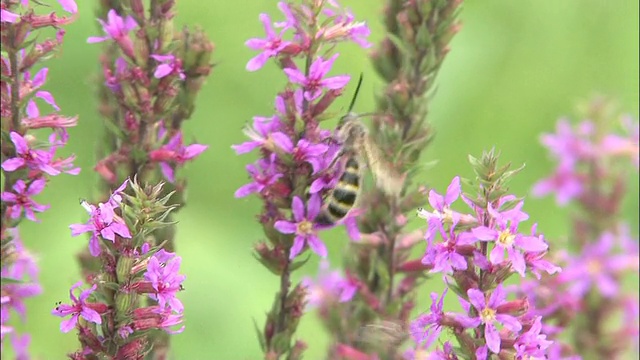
x: 343, y: 196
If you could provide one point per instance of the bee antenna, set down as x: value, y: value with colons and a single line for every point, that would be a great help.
x: 355, y: 94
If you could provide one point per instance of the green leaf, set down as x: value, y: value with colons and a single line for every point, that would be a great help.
x: 5, y: 280
x: 298, y: 264
x: 261, y: 339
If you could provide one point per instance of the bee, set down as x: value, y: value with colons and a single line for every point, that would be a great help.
x: 356, y: 149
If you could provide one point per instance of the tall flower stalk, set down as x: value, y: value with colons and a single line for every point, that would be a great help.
x: 152, y: 75
x: 601, y: 252
x: 408, y: 60
x: 27, y: 161
x: 477, y: 252
x: 296, y: 160
x: 112, y: 317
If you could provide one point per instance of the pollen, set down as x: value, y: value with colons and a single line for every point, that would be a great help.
x: 488, y: 315
x: 594, y: 267
x: 305, y: 227
x: 506, y: 238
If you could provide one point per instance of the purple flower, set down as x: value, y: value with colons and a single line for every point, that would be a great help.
x: 264, y: 174
x: 314, y: 83
x: 532, y: 344
x: 77, y: 309
x: 441, y: 209
x: 427, y: 327
x: 20, y: 345
x: 174, y: 151
x: 103, y: 222
x: 169, y: 64
x: 570, y: 145
x: 565, y: 183
x: 25, y: 156
x: 443, y: 256
x: 303, y: 226
x: 304, y: 151
x: 596, y: 267
x: 330, y: 286
x: 270, y: 47
x: 260, y: 134
x: 162, y: 272
x: 117, y: 29
x: 506, y: 237
x: 21, y: 199
x: 488, y: 315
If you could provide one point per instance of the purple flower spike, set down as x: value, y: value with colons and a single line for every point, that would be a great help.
x: 315, y: 82
x: 303, y: 226
x: 20, y: 199
x: 77, y: 309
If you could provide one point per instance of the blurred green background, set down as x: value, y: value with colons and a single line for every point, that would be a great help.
x: 513, y: 70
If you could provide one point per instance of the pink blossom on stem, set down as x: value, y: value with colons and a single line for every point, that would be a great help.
x: 315, y: 82
x: 271, y: 46
x: 79, y: 307
x: 20, y: 199
x: 303, y: 226
x: 169, y: 64
x: 175, y: 152
x: 26, y: 156
x: 163, y: 273
x: 102, y: 223
x: 117, y: 29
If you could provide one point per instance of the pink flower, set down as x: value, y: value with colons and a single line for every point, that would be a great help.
x: 169, y: 64
x: 328, y: 287
x: 118, y: 30
x: 21, y: 199
x: 427, y: 327
x: 175, y: 152
x: 162, y: 272
x: 303, y: 226
x: 270, y: 47
x: 104, y: 223
x: 314, y: 83
x: 33, y: 159
x: 488, y: 315
x: 259, y: 133
x: 79, y: 308
x: 264, y: 173
x: 442, y: 212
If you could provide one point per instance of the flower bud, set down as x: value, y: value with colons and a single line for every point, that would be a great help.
x: 123, y: 268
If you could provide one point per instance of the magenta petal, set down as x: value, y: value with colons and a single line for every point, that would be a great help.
x: 257, y: 62
x: 510, y: 322
x: 531, y: 243
x: 476, y: 298
x: 69, y: 6
x: 492, y: 337
x: 32, y: 109
x: 317, y: 246
x: 295, y: 76
x: 48, y: 98
x: 336, y: 82
x: 91, y: 315
x: 68, y: 324
x: 167, y: 172
x: 77, y: 229
x: 162, y: 70
x: 13, y: 164
x: 245, y: 147
x: 282, y: 141
x: 436, y: 200
x: 108, y: 234
x: 96, y: 39
x: 484, y: 233
x: 94, y: 246
x: 497, y: 255
x: 285, y: 227
x: 453, y: 191
x: 246, y: 190
x: 121, y: 229
x: 194, y: 150
x: 298, y: 244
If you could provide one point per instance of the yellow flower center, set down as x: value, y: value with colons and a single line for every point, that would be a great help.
x: 506, y: 238
x: 487, y: 315
x: 305, y: 227
x: 594, y: 267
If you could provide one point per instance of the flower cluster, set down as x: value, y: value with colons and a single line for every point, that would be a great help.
x: 297, y: 166
x: 143, y: 88
x: 135, y: 268
x: 477, y: 252
x: 27, y: 161
x: 592, y: 173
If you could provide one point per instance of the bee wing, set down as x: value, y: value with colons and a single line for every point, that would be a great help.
x: 387, y: 178
x: 386, y: 333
